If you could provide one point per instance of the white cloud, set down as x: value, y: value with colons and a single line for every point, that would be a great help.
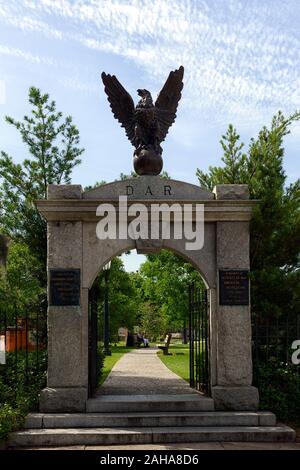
x: 68, y: 82
x: 241, y: 58
x: 76, y: 84
x: 25, y: 55
x: 2, y: 92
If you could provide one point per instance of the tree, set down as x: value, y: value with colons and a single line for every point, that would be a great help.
x: 234, y: 170
x: 152, y: 322
x: 52, y: 144
x: 20, y: 289
x: 166, y: 279
x: 123, y: 299
x: 275, y: 227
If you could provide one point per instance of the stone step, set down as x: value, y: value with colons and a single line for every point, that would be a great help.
x: 113, y: 436
x: 149, y: 419
x: 141, y: 403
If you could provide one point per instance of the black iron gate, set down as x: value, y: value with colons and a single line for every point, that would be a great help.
x: 199, y: 339
x: 93, y: 342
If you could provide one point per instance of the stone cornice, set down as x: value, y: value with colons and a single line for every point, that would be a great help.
x: 85, y: 209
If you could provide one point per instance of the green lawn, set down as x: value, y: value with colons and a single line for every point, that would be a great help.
x: 116, y: 353
x: 177, y: 360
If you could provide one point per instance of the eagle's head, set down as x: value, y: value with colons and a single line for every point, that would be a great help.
x: 146, y: 100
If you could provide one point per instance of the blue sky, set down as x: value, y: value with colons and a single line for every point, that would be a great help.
x: 241, y: 62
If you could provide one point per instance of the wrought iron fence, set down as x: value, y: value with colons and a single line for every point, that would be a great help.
x: 272, y: 343
x: 23, y: 352
x: 199, y: 339
x: 272, y: 338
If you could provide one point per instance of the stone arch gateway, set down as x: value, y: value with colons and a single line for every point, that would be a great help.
x: 76, y: 255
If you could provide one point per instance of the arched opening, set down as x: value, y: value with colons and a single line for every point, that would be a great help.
x: 164, y: 302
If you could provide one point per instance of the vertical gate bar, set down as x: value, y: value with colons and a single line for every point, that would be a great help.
x: 5, y: 325
x: 256, y: 339
x: 298, y: 336
x: 37, y: 339
x: 277, y: 340
x: 287, y: 340
x: 5, y: 344
x: 190, y: 337
x: 268, y: 342
x: 16, y: 341
x: 89, y: 342
x: 198, y: 339
x: 192, y: 382
x: 193, y: 333
x: 26, y: 346
x: 207, y: 346
x: 96, y: 340
x: 206, y: 341
x: 189, y: 325
x: 201, y: 337
x: 16, y: 348
x: 93, y: 378
x: 203, y: 340
x: 199, y: 308
x: 194, y: 337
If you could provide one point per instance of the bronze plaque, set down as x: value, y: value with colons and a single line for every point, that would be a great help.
x: 234, y: 287
x: 64, y: 287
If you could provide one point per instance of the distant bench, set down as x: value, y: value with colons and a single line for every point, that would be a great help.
x: 165, y: 347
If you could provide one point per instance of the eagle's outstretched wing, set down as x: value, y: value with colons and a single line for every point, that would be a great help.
x: 121, y: 103
x: 167, y: 102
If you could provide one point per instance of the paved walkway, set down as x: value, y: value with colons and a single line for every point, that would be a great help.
x: 141, y: 372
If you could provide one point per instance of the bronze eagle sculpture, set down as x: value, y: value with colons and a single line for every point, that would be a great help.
x: 146, y: 124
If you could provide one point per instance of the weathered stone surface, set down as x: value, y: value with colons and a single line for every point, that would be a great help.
x: 233, y: 245
x: 105, y: 436
x: 235, y: 398
x: 234, y: 361
x: 64, y: 191
x: 265, y: 418
x: 204, y: 260
x: 34, y: 421
x: 148, y: 246
x: 149, y: 187
x: 149, y: 419
x: 63, y: 400
x: 231, y: 191
x: 65, y: 347
x: 234, y: 355
x: 96, y: 253
x: 223, y: 433
x: 64, y: 244
x: 152, y: 403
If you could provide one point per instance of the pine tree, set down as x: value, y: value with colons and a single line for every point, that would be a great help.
x: 52, y: 145
x: 275, y: 227
x: 234, y: 170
